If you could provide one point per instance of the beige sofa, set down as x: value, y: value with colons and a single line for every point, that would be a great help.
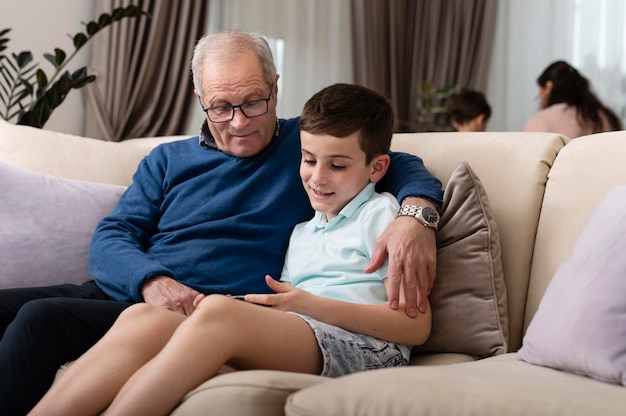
x: 542, y: 189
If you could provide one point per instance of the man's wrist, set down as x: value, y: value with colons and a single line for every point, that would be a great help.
x: 424, y: 214
x: 420, y: 201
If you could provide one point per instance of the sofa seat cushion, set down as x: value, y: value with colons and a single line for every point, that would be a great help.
x: 495, y: 386
x: 245, y: 393
x: 46, y: 224
x: 263, y: 392
x: 440, y: 359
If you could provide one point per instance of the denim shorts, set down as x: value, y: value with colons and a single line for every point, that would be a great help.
x: 345, y: 352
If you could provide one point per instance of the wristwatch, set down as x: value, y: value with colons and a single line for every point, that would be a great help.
x: 426, y: 215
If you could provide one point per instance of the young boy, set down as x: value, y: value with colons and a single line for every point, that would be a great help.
x: 327, y: 316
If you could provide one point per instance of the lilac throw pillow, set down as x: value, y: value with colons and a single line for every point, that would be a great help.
x: 46, y: 224
x: 580, y: 325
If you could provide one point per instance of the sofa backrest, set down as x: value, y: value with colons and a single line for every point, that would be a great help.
x: 583, y: 172
x: 513, y: 168
x: 73, y: 157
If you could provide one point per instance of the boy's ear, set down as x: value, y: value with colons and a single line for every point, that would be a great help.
x: 380, y: 164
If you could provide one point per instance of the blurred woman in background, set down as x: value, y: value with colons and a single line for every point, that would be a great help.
x: 569, y: 107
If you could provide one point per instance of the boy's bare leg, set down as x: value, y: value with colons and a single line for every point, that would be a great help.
x: 220, y: 331
x: 92, y: 382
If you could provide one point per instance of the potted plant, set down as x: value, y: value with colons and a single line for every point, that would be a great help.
x: 432, y: 106
x: 27, y: 94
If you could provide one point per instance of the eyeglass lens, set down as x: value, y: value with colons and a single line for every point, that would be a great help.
x: 250, y: 109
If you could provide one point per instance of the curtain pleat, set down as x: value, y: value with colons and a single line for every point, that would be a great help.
x: 400, y: 43
x: 143, y: 86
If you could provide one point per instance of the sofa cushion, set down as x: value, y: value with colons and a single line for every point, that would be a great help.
x: 46, y: 224
x: 468, y: 299
x: 495, y: 386
x: 513, y: 168
x: 245, y: 393
x: 580, y: 325
x: 582, y: 174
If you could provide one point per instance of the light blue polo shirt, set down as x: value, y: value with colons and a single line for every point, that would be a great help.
x: 328, y: 258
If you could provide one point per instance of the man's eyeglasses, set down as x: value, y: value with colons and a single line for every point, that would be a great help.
x: 250, y: 109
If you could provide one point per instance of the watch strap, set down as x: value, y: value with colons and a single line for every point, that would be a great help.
x: 415, y: 211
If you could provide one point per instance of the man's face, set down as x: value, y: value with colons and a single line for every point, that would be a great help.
x: 231, y: 82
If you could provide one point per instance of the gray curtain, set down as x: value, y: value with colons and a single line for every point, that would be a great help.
x: 399, y: 44
x: 143, y: 86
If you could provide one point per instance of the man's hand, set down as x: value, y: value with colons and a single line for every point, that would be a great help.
x: 167, y: 293
x: 412, y: 254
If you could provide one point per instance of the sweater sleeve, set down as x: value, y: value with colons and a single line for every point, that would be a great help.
x: 117, y: 256
x: 407, y: 176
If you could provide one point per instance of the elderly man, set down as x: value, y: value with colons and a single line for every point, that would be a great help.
x: 211, y: 214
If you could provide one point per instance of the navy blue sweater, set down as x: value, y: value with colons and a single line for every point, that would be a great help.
x: 215, y: 222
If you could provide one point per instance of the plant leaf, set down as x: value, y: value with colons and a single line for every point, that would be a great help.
x: 18, y: 76
x: 4, y: 39
x: 50, y: 58
x: 103, y: 20
x: 42, y: 79
x: 23, y: 58
x: 59, y: 56
x: 80, y: 39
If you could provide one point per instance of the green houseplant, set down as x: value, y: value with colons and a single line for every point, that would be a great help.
x: 432, y: 106
x: 27, y: 94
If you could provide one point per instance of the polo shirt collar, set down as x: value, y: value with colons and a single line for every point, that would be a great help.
x: 319, y: 220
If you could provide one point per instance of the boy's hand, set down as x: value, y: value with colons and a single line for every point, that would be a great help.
x: 286, y: 298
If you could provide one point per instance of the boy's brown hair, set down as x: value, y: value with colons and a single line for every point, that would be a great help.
x: 343, y: 109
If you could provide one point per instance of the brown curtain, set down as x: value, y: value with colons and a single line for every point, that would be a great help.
x: 400, y: 43
x: 143, y: 86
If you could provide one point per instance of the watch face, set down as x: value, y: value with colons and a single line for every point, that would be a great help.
x: 430, y: 215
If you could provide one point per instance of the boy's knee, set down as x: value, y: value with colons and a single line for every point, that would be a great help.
x: 213, y: 303
x: 217, y: 308
x: 139, y: 311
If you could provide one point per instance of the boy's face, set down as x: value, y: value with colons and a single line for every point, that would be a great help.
x: 333, y: 170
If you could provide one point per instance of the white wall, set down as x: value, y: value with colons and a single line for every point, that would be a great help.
x: 40, y: 26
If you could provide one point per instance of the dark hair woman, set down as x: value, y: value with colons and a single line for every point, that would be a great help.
x: 569, y: 106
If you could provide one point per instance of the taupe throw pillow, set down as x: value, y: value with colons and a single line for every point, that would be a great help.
x: 468, y: 299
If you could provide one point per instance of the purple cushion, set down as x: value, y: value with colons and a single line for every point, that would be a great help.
x: 46, y: 224
x: 580, y: 325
